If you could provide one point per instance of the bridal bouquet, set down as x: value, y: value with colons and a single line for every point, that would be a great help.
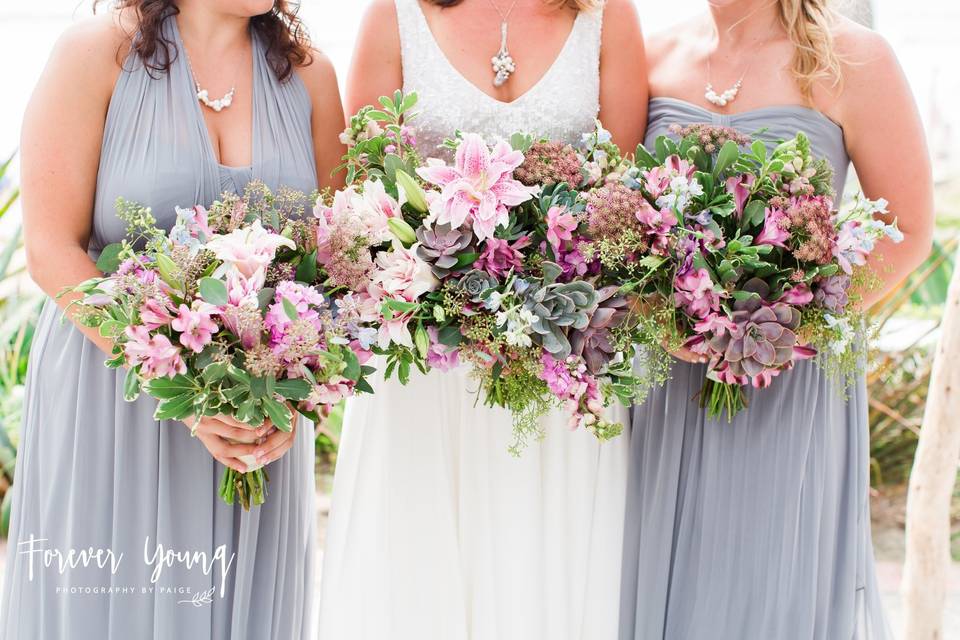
x: 742, y: 257
x: 229, y: 313
x: 491, y: 264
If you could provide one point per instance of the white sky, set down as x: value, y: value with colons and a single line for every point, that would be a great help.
x: 924, y: 33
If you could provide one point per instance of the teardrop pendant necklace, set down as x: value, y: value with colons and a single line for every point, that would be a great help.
x: 503, y: 63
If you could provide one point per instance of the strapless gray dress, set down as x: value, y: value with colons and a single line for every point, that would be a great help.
x: 98, y: 474
x: 759, y: 529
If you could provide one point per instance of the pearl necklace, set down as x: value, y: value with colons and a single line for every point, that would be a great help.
x: 503, y: 63
x: 218, y: 104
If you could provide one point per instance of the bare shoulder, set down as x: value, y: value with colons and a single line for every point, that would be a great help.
x: 380, y: 22
x: 318, y: 75
x: 865, y: 55
x: 90, y: 53
x: 664, y: 44
x: 869, y: 66
x: 615, y: 11
x: 621, y: 22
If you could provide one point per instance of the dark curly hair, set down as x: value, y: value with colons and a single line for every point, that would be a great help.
x: 282, y: 32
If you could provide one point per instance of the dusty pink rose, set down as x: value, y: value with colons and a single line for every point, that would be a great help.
x: 249, y: 248
x: 499, y: 257
x: 402, y: 275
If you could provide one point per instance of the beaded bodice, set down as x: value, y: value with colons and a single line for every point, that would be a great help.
x: 562, y: 105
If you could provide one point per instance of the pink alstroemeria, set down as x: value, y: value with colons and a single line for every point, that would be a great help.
x: 396, y: 331
x: 693, y: 292
x: 479, y: 189
x: 560, y: 226
x: 157, y: 356
x: 774, y: 228
x: 248, y: 248
x: 155, y: 313
x: 739, y: 186
x: 716, y: 323
x: 797, y: 295
x: 196, y: 326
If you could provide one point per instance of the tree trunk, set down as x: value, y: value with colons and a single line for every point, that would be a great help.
x: 931, y: 484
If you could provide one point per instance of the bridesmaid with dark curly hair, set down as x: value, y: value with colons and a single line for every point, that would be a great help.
x: 117, y: 530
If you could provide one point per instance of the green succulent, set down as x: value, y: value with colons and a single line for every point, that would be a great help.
x: 560, y: 307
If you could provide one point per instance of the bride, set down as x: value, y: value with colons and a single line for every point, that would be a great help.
x: 437, y: 532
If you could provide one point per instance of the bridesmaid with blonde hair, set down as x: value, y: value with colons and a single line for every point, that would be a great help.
x: 760, y: 529
x: 436, y: 531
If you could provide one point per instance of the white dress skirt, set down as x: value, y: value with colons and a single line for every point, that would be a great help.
x: 437, y: 532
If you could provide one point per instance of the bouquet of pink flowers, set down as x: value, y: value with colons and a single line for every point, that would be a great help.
x: 491, y: 264
x: 229, y: 313
x: 743, y: 258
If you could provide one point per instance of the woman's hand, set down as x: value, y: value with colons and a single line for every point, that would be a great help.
x: 228, y: 440
x: 687, y: 355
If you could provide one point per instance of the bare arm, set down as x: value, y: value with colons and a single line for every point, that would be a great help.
x: 376, y: 68
x: 327, y: 121
x: 623, y: 75
x: 60, y: 155
x: 886, y: 141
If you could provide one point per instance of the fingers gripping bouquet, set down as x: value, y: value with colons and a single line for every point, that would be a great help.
x: 229, y: 313
x: 744, y: 257
x: 489, y: 265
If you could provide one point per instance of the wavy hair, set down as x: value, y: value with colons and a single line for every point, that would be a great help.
x: 286, y: 39
x: 809, y: 25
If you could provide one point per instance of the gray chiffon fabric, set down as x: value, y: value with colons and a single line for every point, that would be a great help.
x: 758, y: 529
x: 96, y: 472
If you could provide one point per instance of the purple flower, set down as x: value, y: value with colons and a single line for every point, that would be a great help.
x: 440, y: 356
x: 557, y: 376
x: 499, y: 257
x: 831, y: 293
x: 797, y: 295
x: 739, y: 187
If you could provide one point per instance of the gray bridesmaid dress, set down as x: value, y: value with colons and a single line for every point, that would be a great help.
x: 759, y: 529
x: 99, y: 475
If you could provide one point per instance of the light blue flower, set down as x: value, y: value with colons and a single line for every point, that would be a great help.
x: 367, y: 336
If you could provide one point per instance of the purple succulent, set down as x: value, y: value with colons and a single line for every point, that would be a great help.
x: 441, y: 245
x: 831, y: 293
x: 764, y: 336
x: 594, y: 342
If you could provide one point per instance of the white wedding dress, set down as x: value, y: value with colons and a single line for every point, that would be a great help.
x: 436, y: 531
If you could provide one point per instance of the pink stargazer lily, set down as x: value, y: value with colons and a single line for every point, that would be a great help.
x: 480, y: 188
x: 248, y: 248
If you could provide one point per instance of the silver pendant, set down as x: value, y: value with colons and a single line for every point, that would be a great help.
x: 503, y: 64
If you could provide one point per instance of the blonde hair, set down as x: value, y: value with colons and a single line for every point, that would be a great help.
x: 808, y: 24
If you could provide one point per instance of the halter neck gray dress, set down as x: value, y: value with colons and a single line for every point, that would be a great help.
x: 99, y: 475
x: 759, y: 529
